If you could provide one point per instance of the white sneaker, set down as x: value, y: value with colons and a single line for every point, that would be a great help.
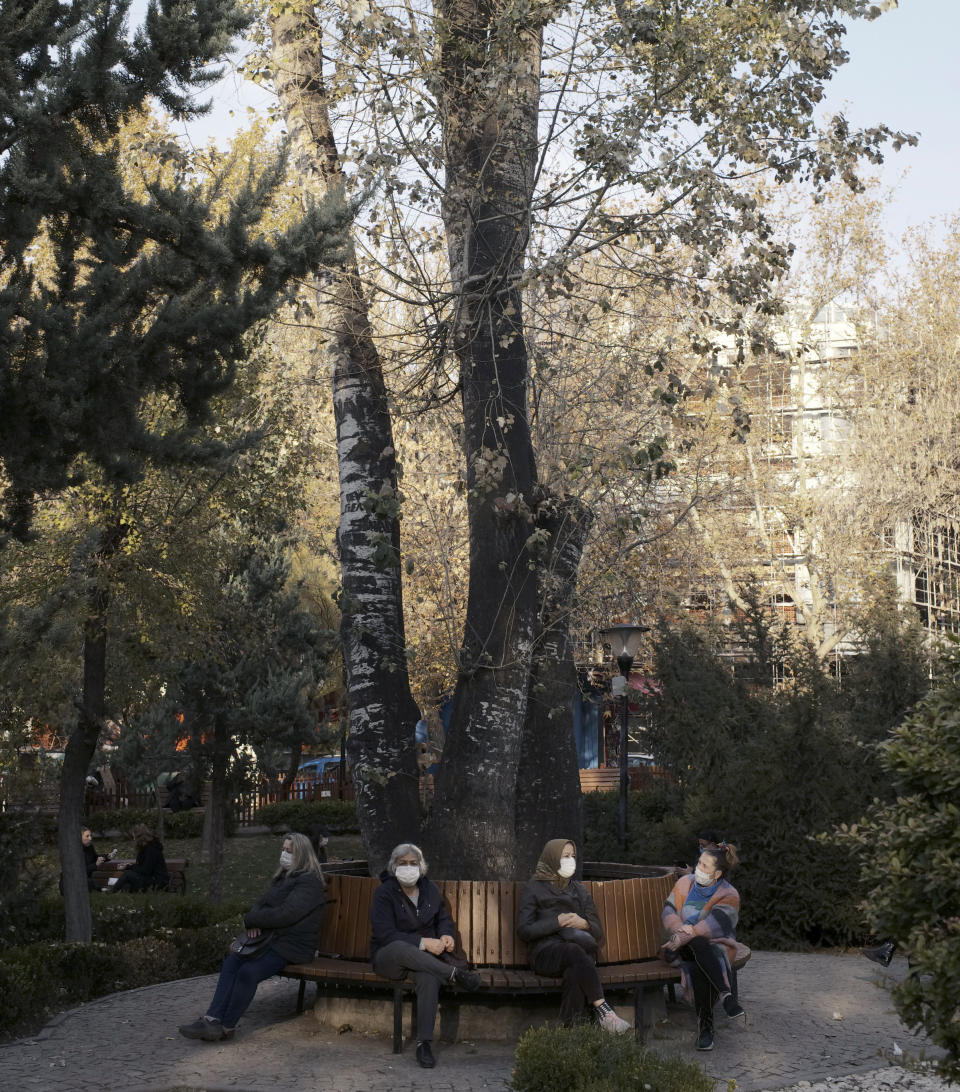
x: 609, y: 1021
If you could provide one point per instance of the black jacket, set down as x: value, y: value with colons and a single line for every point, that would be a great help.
x: 90, y: 859
x: 151, y: 868
x: 293, y: 907
x: 540, y: 906
x: 394, y: 917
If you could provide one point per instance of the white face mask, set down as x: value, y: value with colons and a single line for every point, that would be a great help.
x: 408, y: 874
x: 568, y: 865
x: 286, y: 858
x: 703, y: 878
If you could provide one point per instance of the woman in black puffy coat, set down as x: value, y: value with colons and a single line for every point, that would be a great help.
x: 559, y: 923
x: 292, y: 911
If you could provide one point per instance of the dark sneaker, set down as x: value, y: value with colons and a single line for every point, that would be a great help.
x: 705, y: 1038
x: 881, y: 954
x: 732, y: 1008
x: 425, y: 1055
x: 210, y: 1031
x: 467, y: 980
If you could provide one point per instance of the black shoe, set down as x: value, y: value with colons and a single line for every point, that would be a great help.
x: 210, y: 1031
x: 705, y: 1038
x: 732, y: 1007
x: 425, y: 1055
x: 882, y: 953
x: 467, y: 980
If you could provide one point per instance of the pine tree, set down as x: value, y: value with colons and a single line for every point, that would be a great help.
x: 148, y: 291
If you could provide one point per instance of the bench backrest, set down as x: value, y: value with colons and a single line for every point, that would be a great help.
x: 485, y: 912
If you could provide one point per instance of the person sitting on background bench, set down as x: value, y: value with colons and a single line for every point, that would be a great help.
x: 700, y: 916
x: 559, y: 922
x: 413, y: 934
x: 150, y: 869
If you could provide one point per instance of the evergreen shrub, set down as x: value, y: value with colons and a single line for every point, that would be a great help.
x: 28, y: 918
x: 588, y: 1059
x: 38, y: 979
x: 339, y: 816
x: 908, y: 852
x: 176, y: 824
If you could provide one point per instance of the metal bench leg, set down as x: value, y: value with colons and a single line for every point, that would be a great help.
x: 397, y: 1021
x: 300, y: 994
x: 672, y: 992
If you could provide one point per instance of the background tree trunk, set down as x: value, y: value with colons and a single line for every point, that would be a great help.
x: 216, y: 810
x: 489, y: 66
x: 82, y: 744
x: 549, y: 803
x: 383, y: 714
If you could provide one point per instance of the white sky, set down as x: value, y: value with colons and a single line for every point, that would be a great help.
x: 903, y: 72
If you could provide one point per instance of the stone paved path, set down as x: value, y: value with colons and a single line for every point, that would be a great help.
x: 813, y: 1018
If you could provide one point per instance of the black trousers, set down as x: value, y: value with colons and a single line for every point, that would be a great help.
x: 581, y: 984
x: 708, y: 973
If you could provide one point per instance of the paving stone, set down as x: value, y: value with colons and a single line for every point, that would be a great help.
x: 815, y: 1023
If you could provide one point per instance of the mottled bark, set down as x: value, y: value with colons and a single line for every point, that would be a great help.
x: 383, y: 714
x: 548, y: 779
x: 82, y: 744
x: 489, y: 80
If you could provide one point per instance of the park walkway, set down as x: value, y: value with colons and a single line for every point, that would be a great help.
x: 810, y: 1018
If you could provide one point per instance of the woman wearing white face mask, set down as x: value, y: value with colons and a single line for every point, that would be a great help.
x: 413, y: 934
x: 700, y: 917
x: 292, y: 911
x: 559, y: 922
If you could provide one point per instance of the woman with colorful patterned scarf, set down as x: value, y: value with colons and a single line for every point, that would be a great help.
x: 700, y: 918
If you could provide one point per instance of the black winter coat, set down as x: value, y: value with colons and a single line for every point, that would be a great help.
x: 151, y: 868
x: 394, y: 917
x: 540, y: 906
x: 293, y: 908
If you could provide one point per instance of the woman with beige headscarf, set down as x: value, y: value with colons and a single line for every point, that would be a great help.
x: 559, y: 922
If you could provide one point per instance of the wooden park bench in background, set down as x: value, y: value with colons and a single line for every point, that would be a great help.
x: 110, y: 870
x: 602, y: 779
x: 485, y: 914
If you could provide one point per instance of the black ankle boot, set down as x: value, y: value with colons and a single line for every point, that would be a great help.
x: 705, y: 1038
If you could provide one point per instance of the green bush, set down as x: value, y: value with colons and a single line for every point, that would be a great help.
x: 587, y: 1059
x: 189, y: 824
x: 339, y: 816
x: 38, y: 979
x: 121, y: 819
x: 909, y: 856
x: 26, y: 918
x: 656, y: 831
x: 176, y: 824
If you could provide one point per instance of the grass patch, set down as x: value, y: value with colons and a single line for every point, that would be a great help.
x: 248, y: 862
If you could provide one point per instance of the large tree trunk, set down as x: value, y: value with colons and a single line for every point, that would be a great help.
x: 548, y: 779
x: 216, y: 809
x: 489, y: 74
x: 383, y: 714
x: 82, y: 744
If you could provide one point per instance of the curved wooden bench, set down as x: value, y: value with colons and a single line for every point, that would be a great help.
x: 485, y: 913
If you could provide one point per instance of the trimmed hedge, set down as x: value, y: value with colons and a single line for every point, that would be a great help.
x: 176, y: 824
x: 30, y: 918
x: 338, y: 816
x: 588, y: 1059
x: 38, y: 979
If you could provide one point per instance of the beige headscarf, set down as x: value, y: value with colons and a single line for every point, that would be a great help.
x: 548, y: 867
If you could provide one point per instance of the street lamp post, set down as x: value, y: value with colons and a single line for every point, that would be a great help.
x: 624, y: 641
